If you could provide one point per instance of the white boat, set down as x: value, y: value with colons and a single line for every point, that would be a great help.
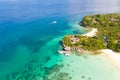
x: 54, y: 22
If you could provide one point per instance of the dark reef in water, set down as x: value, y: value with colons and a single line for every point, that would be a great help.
x: 47, y: 58
x: 34, y: 70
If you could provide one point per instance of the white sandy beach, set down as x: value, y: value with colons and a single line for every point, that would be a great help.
x: 112, y: 56
x: 108, y: 53
x: 91, y: 33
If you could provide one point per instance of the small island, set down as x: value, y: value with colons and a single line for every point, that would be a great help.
x: 104, y: 34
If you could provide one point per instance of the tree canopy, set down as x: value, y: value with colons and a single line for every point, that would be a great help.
x: 108, y: 35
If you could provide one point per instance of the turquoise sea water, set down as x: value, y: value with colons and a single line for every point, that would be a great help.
x: 29, y: 41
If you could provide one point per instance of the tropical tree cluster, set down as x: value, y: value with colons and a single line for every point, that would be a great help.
x: 108, y: 35
x: 87, y: 43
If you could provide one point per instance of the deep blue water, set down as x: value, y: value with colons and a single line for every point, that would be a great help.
x: 20, y: 10
x: 28, y: 23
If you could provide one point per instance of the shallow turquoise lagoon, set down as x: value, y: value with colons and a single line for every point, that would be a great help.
x: 35, y: 57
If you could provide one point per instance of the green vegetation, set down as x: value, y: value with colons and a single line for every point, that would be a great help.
x: 66, y: 41
x: 108, y: 35
x: 87, y: 43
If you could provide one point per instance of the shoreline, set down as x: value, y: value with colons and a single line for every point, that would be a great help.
x: 67, y: 50
x: 113, y: 56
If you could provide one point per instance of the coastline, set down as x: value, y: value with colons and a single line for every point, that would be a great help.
x: 67, y: 49
x: 107, y: 53
x: 113, y: 56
